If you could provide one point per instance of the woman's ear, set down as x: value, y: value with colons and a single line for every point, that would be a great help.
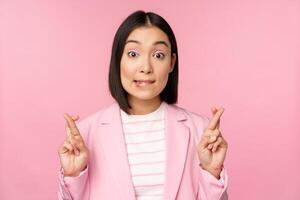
x: 173, y: 61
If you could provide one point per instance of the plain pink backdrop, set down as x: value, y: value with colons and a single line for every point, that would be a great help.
x: 242, y: 55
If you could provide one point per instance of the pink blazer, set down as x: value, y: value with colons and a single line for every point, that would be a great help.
x: 107, y: 176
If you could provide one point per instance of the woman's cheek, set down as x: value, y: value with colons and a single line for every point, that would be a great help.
x: 125, y: 70
x: 124, y: 77
x: 162, y: 81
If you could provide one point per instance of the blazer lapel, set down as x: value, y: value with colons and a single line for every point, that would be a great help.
x: 114, y: 149
x: 177, y: 142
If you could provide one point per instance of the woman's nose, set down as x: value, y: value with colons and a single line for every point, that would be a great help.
x: 146, y: 66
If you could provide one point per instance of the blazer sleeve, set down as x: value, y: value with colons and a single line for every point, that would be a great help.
x: 73, y: 188
x: 76, y: 188
x: 210, y: 188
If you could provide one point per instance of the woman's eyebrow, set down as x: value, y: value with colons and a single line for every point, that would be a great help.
x: 155, y: 43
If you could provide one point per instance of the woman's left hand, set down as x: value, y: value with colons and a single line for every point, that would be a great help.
x: 212, y: 146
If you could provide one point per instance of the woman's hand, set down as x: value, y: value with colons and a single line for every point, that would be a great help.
x: 212, y: 146
x: 73, y: 153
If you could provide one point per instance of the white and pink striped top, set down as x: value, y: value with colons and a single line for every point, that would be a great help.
x: 145, y: 142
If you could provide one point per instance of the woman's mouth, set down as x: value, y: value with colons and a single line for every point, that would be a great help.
x: 141, y: 83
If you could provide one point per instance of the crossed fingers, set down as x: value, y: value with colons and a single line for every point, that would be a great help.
x: 71, y: 126
x: 215, y: 121
x: 74, y: 139
x: 213, y: 135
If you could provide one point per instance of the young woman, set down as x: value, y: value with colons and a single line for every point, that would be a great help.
x: 143, y: 146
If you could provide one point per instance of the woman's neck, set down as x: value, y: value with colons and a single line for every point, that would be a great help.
x: 142, y: 107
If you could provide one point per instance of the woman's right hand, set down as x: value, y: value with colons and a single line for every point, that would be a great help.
x: 73, y: 153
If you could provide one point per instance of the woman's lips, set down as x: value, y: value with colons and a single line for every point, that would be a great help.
x: 143, y: 82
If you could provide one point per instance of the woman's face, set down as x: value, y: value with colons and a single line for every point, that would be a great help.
x: 146, y: 63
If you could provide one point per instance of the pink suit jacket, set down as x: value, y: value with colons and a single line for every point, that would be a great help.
x: 107, y: 176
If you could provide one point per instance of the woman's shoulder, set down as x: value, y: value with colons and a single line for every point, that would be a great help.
x: 196, y: 117
x: 190, y: 113
x: 93, y: 117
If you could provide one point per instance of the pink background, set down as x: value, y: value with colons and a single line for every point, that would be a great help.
x: 242, y: 55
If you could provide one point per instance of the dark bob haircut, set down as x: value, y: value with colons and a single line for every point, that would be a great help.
x: 133, y: 21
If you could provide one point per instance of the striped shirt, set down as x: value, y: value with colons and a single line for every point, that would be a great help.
x: 145, y: 143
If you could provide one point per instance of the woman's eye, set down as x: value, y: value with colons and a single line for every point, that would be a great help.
x: 159, y: 55
x: 132, y: 54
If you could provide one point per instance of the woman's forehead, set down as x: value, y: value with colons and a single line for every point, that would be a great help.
x: 148, y: 36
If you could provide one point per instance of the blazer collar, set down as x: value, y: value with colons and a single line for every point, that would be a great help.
x: 177, y: 137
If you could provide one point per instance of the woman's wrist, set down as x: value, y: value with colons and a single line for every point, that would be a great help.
x: 75, y: 174
x: 215, y: 172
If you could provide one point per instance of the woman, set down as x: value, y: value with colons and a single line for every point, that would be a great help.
x: 143, y: 146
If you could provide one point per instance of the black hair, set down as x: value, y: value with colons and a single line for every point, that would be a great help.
x: 135, y: 20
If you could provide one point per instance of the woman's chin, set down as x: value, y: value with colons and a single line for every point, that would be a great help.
x: 144, y: 97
